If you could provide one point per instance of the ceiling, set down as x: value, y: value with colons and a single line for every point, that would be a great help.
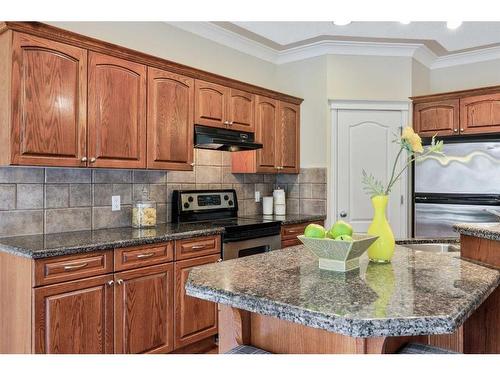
x: 432, y: 43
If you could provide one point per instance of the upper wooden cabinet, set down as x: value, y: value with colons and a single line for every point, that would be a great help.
x: 210, y: 104
x: 222, y: 107
x: 72, y: 101
x: 465, y: 112
x: 440, y: 117
x: 277, y: 127
x: 480, y: 114
x: 116, y: 113
x: 288, y: 138
x: 49, y: 103
x: 170, y: 120
x: 241, y: 110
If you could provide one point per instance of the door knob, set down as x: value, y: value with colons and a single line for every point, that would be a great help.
x: 343, y: 214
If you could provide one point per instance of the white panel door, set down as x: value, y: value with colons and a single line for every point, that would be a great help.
x: 365, y: 141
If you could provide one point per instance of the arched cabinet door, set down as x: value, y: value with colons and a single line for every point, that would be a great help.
x: 241, y: 111
x: 266, y: 132
x: 49, y: 102
x: 210, y: 104
x: 439, y: 117
x: 170, y: 120
x: 480, y: 114
x: 288, y: 138
x: 116, y: 113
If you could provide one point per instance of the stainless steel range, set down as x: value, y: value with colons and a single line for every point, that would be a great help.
x: 243, y: 236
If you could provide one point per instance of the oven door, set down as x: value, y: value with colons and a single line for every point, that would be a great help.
x: 240, y: 249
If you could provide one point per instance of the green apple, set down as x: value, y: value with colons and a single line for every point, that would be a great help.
x: 315, y: 231
x: 340, y: 228
x: 344, y: 237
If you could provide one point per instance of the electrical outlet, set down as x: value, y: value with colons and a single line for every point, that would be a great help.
x: 257, y: 196
x: 115, y: 203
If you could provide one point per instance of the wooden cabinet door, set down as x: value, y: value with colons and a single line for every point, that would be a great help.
x: 241, y: 107
x: 266, y: 132
x: 117, y: 112
x: 144, y: 310
x: 440, y: 117
x: 74, y: 317
x: 170, y: 120
x: 49, y: 103
x: 480, y: 114
x: 195, y: 319
x: 210, y: 104
x: 288, y: 138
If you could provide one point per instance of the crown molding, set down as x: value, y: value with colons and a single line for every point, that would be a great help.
x: 418, y: 51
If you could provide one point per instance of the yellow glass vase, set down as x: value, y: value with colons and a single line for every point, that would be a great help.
x: 382, y: 250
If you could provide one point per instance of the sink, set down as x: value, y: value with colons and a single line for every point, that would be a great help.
x: 434, y: 247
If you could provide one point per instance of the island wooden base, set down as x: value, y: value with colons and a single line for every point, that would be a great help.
x: 237, y: 327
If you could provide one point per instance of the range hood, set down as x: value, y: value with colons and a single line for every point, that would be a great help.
x: 224, y: 139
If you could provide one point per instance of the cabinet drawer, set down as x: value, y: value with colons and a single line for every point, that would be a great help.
x: 289, y: 232
x: 140, y: 256
x: 72, y: 267
x: 197, y: 247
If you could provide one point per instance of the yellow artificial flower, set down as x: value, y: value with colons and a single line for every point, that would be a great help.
x: 413, y: 140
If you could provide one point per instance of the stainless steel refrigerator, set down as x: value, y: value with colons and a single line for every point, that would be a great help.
x: 461, y: 187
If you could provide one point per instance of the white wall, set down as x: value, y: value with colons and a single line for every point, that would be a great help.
x: 468, y: 76
x: 168, y: 42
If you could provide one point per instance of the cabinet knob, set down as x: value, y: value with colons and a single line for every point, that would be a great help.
x: 192, y: 164
x: 92, y: 160
x: 455, y: 130
x: 110, y: 282
x: 231, y: 123
x: 226, y: 122
x: 219, y: 260
x: 119, y: 281
x: 84, y: 159
x: 462, y: 129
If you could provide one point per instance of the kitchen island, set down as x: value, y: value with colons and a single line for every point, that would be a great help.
x: 283, y: 303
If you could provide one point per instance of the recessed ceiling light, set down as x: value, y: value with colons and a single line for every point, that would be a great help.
x: 453, y: 24
x: 341, y: 23
x: 405, y: 22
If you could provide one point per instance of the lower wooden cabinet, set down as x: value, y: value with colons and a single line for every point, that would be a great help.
x: 195, y: 319
x: 121, y: 302
x: 144, y: 310
x: 74, y: 317
x: 290, y: 232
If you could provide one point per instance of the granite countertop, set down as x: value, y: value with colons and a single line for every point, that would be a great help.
x: 291, y: 218
x: 48, y: 245
x: 419, y: 293
x: 489, y: 231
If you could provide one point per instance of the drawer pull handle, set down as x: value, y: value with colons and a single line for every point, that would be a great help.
x: 75, y: 267
x: 198, y: 247
x: 148, y: 255
x: 293, y: 231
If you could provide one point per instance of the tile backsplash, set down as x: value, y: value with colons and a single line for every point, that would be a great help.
x: 50, y: 200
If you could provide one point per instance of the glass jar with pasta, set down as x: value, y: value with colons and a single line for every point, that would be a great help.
x: 144, y: 211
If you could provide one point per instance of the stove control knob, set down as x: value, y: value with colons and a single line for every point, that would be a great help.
x: 230, y: 203
x: 190, y: 199
x: 226, y: 197
x: 186, y: 205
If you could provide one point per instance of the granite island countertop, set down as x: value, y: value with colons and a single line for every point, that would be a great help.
x: 49, y: 245
x: 489, y: 231
x: 419, y: 293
